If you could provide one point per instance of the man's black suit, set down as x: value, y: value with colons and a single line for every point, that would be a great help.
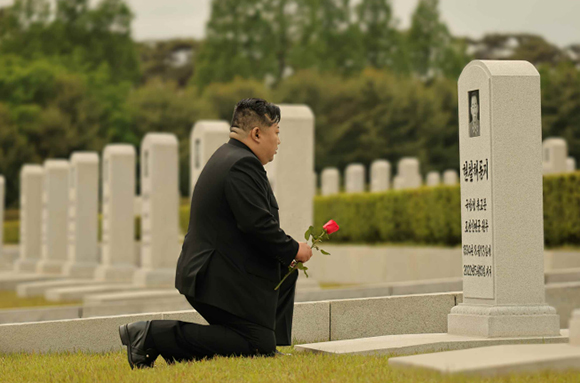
x: 233, y: 255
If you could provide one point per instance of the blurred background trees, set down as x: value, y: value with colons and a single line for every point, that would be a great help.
x: 73, y: 78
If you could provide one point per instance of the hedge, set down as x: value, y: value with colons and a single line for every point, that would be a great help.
x: 432, y: 215
x: 424, y: 216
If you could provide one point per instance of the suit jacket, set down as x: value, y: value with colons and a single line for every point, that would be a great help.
x: 234, y: 250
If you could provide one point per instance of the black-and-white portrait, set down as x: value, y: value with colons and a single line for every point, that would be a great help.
x: 473, y: 99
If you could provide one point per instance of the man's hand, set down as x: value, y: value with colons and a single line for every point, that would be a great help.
x: 304, y: 252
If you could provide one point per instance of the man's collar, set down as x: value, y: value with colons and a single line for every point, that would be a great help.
x: 240, y: 144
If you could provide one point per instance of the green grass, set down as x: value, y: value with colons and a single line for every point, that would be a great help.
x: 113, y: 367
x: 9, y: 300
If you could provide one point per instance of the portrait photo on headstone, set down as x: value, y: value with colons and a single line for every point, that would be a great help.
x: 474, y: 113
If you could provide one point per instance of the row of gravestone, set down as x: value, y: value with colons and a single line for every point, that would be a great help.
x: 59, y: 203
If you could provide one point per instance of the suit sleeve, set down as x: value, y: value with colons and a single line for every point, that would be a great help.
x: 248, y: 200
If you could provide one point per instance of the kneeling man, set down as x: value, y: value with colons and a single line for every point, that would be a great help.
x: 233, y: 256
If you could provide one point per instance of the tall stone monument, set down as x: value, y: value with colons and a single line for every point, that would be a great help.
x: 160, y: 211
x: 450, y: 177
x: 54, y: 217
x: 408, y: 174
x: 118, y: 262
x: 205, y: 138
x: 380, y: 175
x: 433, y: 179
x: 291, y: 170
x: 83, y: 215
x: 501, y: 203
x: 354, y: 178
x: 31, y: 183
x: 330, y: 181
x: 555, y: 153
x: 571, y: 164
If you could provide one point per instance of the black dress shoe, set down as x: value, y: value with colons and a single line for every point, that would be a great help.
x: 134, y: 335
x: 278, y: 353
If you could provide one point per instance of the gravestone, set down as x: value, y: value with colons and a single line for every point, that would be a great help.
x: 118, y: 234
x: 408, y: 173
x: 397, y: 183
x: 501, y: 204
x: 83, y: 215
x: 205, y: 138
x: 433, y: 179
x: 160, y: 211
x: 450, y: 177
x: 291, y: 170
x: 330, y: 180
x: 354, y: 178
x: 31, y: 182
x: 54, y: 232
x: 380, y: 175
x: 571, y: 164
x: 2, y: 201
x: 555, y: 153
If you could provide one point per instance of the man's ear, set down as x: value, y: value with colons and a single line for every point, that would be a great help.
x: 255, y: 133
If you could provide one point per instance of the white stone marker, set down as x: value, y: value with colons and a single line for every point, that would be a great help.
x: 160, y: 216
x: 31, y: 182
x: 292, y: 168
x: 118, y: 234
x: 450, y: 177
x: 501, y: 204
x: 571, y: 164
x: 354, y: 178
x: 330, y: 180
x: 575, y: 328
x: 380, y: 175
x: 205, y: 138
x: 397, y: 182
x: 555, y: 153
x: 83, y: 215
x: 408, y: 173
x: 433, y: 179
x: 54, y: 217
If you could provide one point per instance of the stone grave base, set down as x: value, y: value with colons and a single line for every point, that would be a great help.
x: 80, y: 270
x: 38, y: 288
x: 115, y: 273
x: 503, y: 321
x: 76, y: 293
x: 49, y: 267
x: 129, y: 297
x: 407, y: 344
x: 25, y: 265
x: 496, y: 360
x: 155, y: 278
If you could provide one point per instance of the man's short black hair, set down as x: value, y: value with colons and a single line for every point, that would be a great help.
x: 252, y: 112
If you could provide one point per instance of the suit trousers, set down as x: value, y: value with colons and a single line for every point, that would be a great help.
x: 226, y: 334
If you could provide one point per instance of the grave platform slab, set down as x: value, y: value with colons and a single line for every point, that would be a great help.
x: 139, y: 295
x: 9, y: 279
x: 37, y: 288
x: 496, y: 360
x: 63, y: 294
x: 419, y: 343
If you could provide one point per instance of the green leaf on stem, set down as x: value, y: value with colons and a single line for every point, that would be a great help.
x: 324, y: 252
x: 308, y: 233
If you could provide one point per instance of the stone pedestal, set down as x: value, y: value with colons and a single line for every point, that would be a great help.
x: 408, y: 174
x: 501, y: 204
x: 83, y: 215
x: 160, y: 215
x: 354, y: 178
x: 450, y: 178
x: 291, y: 170
x: 575, y: 328
x: 380, y: 175
x: 330, y: 180
x: 433, y: 179
x: 31, y: 182
x: 571, y: 164
x: 555, y: 154
x: 118, y: 262
x: 54, y: 217
x: 205, y: 138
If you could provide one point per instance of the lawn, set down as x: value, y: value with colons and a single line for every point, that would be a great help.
x: 9, y: 300
x: 113, y: 367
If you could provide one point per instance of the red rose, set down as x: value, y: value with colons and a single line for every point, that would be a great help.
x: 331, y: 227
